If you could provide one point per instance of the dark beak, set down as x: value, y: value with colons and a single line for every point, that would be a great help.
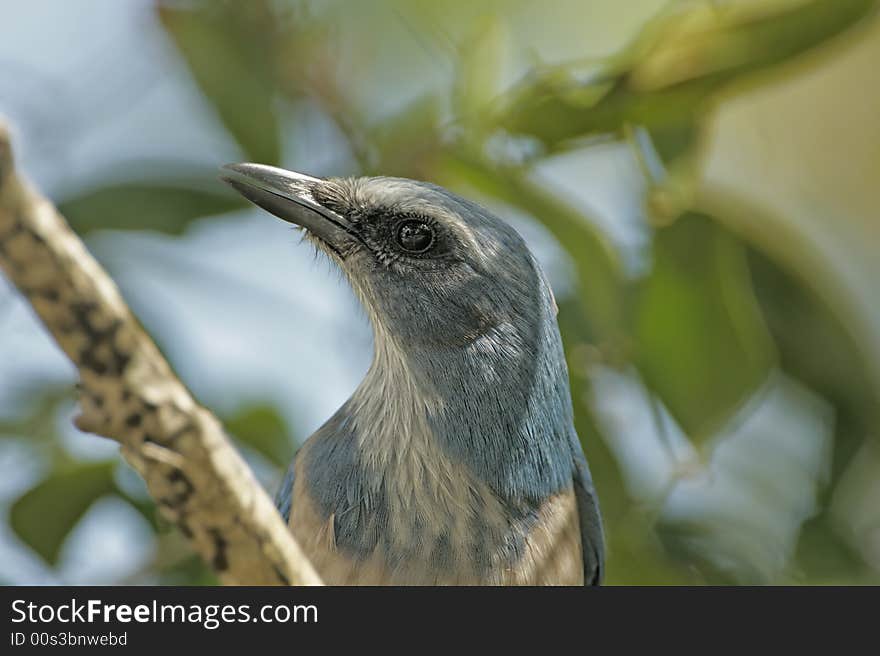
x: 289, y: 196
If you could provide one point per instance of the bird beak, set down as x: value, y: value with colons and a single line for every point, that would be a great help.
x: 289, y: 196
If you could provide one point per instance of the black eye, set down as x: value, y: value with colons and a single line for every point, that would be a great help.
x: 415, y: 236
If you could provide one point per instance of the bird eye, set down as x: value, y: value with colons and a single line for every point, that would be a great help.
x: 415, y: 236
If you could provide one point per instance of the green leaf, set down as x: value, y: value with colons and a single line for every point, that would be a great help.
x: 44, y: 515
x: 230, y: 49
x: 673, y: 67
x: 701, y: 343
x: 164, y: 206
x: 264, y: 430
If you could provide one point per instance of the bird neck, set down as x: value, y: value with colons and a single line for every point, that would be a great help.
x: 499, y: 405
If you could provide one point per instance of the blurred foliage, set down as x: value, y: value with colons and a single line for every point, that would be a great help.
x: 716, y: 315
x: 675, y: 65
x: 230, y: 48
x: 165, y: 206
x: 598, y: 271
x: 46, y: 513
x: 697, y: 315
x: 262, y: 429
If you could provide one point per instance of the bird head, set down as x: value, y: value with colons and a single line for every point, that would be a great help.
x: 434, y: 271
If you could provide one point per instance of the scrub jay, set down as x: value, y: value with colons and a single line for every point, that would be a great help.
x: 455, y: 461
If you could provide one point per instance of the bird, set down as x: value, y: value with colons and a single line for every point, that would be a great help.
x: 455, y: 461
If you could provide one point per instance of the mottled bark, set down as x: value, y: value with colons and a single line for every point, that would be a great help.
x: 130, y: 394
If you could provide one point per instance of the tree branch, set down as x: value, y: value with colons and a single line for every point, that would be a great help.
x: 129, y: 393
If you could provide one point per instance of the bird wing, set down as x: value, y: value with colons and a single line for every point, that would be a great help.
x: 284, y: 495
x: 592, y: 536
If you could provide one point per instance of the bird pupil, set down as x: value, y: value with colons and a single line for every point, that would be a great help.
x: 415, y: 236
